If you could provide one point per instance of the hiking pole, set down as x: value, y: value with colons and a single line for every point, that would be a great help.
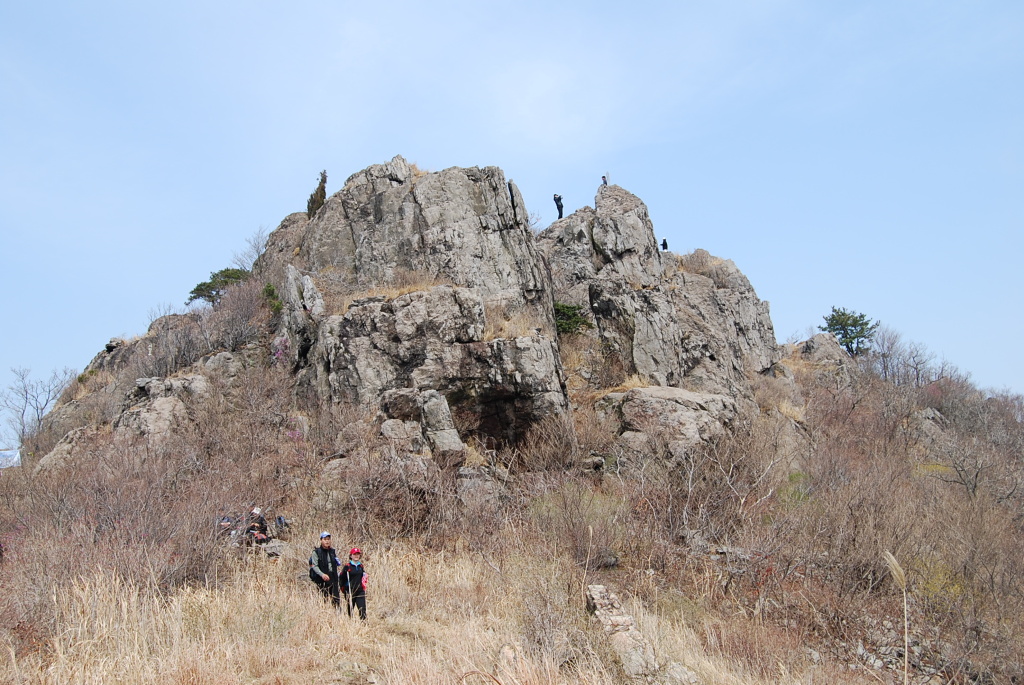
x: 348, y: 595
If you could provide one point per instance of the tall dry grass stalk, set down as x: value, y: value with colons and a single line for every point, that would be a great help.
x: 900, y: 578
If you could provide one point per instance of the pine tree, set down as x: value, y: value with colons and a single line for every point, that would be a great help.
x: 853, y: 330
x: 319, y: 196
x: 213, y: 289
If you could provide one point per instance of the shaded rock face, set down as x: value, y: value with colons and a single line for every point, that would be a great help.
x: 427, y: 340
x: 466, y: 226
x: 670, y: 326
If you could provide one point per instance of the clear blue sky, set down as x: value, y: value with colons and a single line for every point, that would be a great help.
x: 867, y: 155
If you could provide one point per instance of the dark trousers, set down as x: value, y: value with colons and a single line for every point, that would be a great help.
x: 329, y: 589
x: 359, y: 602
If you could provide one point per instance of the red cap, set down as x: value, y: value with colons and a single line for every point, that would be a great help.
x: 355, y: 550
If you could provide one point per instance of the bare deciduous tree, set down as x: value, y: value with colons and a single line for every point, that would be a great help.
x: 254, y: 247
x: 26, y: 400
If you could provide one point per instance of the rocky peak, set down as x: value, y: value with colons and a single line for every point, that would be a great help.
x: 687, y: 321
x: 432, y: 287
x: 623, y: 237
x: 392, y: 223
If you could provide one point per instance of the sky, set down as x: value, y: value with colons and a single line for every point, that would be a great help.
x: 863, y: 155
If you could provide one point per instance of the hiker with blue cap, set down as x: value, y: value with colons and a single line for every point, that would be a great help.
x: 323, y: 569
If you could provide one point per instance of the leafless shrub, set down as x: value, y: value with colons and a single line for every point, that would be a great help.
x: 550, y: 444
x: 240, y: 316
x: 254, y: 247
x: 392, y: 495
x: 777, y: 394
x: 172, y: 343
x: 591, y: 367
x: 578, y: 518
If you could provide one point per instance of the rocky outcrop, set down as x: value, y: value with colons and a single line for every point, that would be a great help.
x: 823, y: 348
x: 685, y: 322
x: 392, y: 223
x: 476, y: 324
x: 632, y: 649
x: 422, y: 422
x: 427, y: 340
x: 67, y: 449
x: 426, y: 296
x: 157, y: 406
x: 681, y: 418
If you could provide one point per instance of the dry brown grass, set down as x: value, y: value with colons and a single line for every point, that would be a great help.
x: 634, y: 381
x: 268, y: 625
x: 434, y: 618
x: 502, y: 321
x: 403, y: 283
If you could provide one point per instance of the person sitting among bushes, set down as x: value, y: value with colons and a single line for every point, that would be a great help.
x: 256, y: 530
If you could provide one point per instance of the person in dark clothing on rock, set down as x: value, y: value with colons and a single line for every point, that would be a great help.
x: 604, y: 180
x: 558, y: 203
x: 664, y: 244
x: 324, y: 565
x: 353, y: 582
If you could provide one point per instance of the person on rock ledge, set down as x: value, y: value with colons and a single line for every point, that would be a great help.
x: 558, y: 204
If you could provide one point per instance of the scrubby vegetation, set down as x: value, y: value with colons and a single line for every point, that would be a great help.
x: 763, y: 557
x: 212, y: 290
x: 318, y: 196
x: 569, y: 320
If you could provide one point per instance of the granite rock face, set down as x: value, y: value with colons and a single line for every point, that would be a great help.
x: 426, y: 340
x: 685, y: 322
x: 426, y: 298
x: 686, y: 418
x: 476, y: 320
x: 392, y: 223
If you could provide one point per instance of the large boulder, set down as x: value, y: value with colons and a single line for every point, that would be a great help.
x: 685, y: 322
x: 392, y: 223
x: 157, y: 406
x: 678, y: 418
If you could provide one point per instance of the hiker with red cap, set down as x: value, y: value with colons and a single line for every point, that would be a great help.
x: 353, y: 582
x: 323, y: 569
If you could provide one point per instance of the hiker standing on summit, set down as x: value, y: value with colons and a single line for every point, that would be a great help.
x: 353, y: 582
x: 558, y: 204
x: 323, y: 569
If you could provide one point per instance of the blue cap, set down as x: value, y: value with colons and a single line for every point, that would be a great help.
x: 324, y: 534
